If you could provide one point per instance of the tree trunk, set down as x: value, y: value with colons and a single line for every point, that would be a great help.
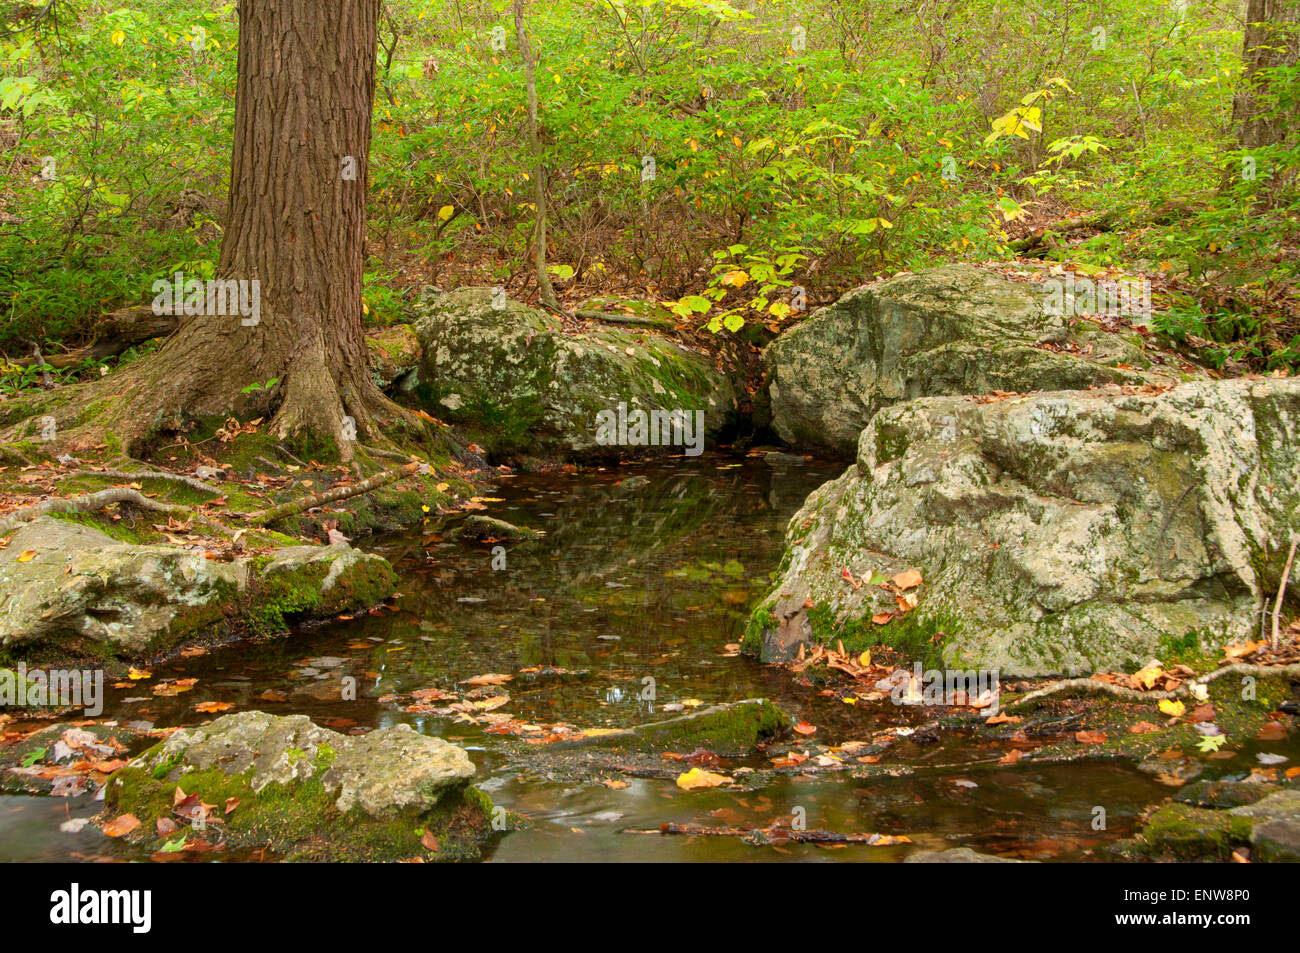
x: 1272, y: 40
x: 295, y: 226
x: 539, y: 169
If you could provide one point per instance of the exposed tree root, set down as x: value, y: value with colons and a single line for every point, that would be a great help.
x: 89, y: 503
x: 138, y: 475
x: 282, y: 510
x: 1086, y: 685
x: 1281, y: 592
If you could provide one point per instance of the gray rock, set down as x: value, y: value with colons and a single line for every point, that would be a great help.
x: 308, y: 793
x: 522, y: 385
x: 394, y: 357
x: 382, y: 772
x: 1057, y: 532
x: 1277, y: 842
x: 951, y: 330
x: 1223, y: 794
x: 958, y: 855
x: 1282, y: 806
x: 84, y: 593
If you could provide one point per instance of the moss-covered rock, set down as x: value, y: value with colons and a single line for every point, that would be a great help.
x: 394, y: 357
x: 730, y: 730
x: 953, y: 330
x: 1055, y: 533
x: 521, y: 384
x: 1194, y: 833
x: 308, y: 793
x: 69, y: 590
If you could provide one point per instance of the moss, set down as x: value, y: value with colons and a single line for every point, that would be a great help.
x: 301, y: 821
x: 730, y: 730
x: 119, y: 530
x: 1194, y: 833
x: 275, y: 599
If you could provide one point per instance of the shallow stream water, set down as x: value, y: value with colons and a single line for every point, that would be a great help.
x: 650, y: 578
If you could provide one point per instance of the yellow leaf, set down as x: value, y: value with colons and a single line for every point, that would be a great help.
x: 445, y: 212
x: 735, y: 279
x: 117, y: 37
x: 27, y: 556
x: 1172, y: 707
x: 1148, y: 676
x: 699, y: 778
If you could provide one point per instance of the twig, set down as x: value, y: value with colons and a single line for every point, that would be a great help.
x: 88, y: 503
x: 279, y: 512
x: 1281, y: 591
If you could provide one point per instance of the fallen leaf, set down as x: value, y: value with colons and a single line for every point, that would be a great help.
x: 1090, y: 737
x: 209, y: 707
x: 121, y: 825
x: 1172, y: 707
x: 699, y: 778
x: 907, y: 579
x: 1142, y: 728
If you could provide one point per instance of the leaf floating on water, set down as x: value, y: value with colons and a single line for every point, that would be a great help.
x: 804, y: 728
x: 489, y: 679
x: 699, y: 778
x: 212, y: 707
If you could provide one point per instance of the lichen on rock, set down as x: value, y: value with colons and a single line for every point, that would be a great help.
x: 1057, y: 532
x: 310, y: 793
x: 957, y: 329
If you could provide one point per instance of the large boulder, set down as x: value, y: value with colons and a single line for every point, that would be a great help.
x: 1059, y: 532
x: 958, y: 329
x: 68, y: 589
x: 307, y: 792
x: 521, y: 384
x: 394, y: 357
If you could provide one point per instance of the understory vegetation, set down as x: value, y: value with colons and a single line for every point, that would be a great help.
x: 741, y: 162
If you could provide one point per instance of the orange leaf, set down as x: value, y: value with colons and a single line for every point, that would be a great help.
x: 122, y: 825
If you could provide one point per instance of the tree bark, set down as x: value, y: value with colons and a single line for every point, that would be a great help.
x: 539, y: 169
x: 1272, y: 40
x: 295, y: 225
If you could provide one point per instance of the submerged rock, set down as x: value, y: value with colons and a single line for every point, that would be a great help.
x: 1059, y: 532
x: 310, y: 793
x: 958, y: 855
x: 951, y: 330
x: 478, y: 527
x: 729, y: 730
x: 522, y: 385
x: 68, y: 589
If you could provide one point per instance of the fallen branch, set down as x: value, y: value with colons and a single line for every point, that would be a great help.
x: 282, y: 510
x: 89, y: 503
x: 116, y: 333
x: 1281, y: 592
x: 766, y: 836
